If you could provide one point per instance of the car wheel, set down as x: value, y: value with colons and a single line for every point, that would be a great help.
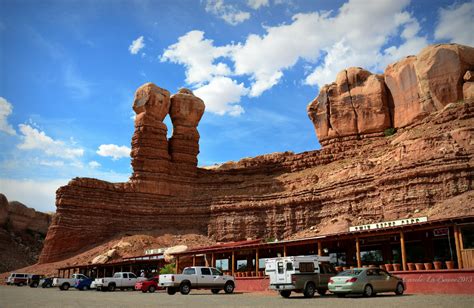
x: 285, y: 293
x: 309, y: 290
x: 185, y: 288
x: 215, y: 291
x: 400, y: 289
x: 171, y: 291
x: 229, y: 287
x: 152, y: 289
x: 368, y: 291
x: 322, y: 292
x: 111, y: 287
x: 65, y: 286
x: 48, y: 285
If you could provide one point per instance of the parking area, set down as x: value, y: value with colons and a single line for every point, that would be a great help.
x: 28, y: 297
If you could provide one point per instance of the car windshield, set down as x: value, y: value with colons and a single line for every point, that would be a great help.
x: 350, y: 273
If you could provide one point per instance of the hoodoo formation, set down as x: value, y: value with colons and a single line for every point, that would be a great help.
x: 363, y: 173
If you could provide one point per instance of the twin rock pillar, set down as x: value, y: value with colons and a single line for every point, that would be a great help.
x: 161, y: 166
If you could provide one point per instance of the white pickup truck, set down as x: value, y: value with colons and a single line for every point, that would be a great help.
x: 197, y: 277
x: 121, y: 280
x: 65, y: 283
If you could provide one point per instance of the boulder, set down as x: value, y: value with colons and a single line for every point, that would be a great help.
x: 468, y: 90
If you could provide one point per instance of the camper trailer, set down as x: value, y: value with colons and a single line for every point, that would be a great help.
x: 300, y: 274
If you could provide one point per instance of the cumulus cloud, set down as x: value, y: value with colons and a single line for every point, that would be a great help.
x: 114, y: 151
x: 198, y: 55
x: 34, y: 139
x: 256, y: 4
x: 228, y: 12
x: 328, y: 41
x: 5, y: 110
x: 455, y: 22
x: 136, y: 45
x: 222, y: 96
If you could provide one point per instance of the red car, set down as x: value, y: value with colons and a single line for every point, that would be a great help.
x: 150, y: 285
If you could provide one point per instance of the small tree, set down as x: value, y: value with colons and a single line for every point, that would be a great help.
x: 168, y: 269
x: 390, y: 131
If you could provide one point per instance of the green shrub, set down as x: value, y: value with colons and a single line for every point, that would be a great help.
x: 168, y: 269
x: 390, y: 131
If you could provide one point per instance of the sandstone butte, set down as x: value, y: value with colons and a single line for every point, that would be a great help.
x: 359, y: 175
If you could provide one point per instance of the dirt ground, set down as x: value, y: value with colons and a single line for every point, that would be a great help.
x: 12, y: 296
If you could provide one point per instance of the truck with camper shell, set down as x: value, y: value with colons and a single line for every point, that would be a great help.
x: 197, y: 277
x: 299, y: 274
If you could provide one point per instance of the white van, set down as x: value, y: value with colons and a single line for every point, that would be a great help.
x: 18, y: 279
x: 300, y: 274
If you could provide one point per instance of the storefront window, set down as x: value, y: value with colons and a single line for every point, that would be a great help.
x: 371, y: 256
x: 222, y: 264
x: 467, y: 232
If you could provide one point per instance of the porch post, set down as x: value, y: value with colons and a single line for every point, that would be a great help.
x: 320, y: 248
x: 458, y: 246
x: 233, y: 262
x: 59, y: 273
x: 205, y: 260
x: 194, y: 260
x: 404, y: 253
x: 284, y: 250
x: 68, y: 272
x: 256, y: 262
x: 213, y: 260
x: 104, y: 272
x: 177, y: 264
x: 359, y: 262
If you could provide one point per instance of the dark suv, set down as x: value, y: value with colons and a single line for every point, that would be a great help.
x: 34, y: 280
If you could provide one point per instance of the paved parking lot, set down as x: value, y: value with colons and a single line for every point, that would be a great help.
x: 11, y: 296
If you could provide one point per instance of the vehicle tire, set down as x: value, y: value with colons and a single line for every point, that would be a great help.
x: 171, y: 291
x: 322, y: 292
x: 215, y: 291
x: 229, y: 287
x: 65, y: 286
x: 400, y: 289
x: 111, y: 287
x: 368, y: 291
x: 48, y: 285
x: 34, y: 285
x: 341, y: 295
x: 151, y: 289
x: 185, y: 288
x: 285, y: 293
x: 309, y: 290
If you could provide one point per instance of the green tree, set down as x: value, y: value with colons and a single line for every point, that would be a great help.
x: 168, y: 269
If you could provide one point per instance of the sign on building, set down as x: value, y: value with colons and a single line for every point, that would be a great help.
x: 389, y: 224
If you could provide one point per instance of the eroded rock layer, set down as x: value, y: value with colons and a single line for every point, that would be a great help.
x: 425, y: 168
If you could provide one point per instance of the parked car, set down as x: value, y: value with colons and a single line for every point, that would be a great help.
x: 46, y: 282
x: 197, y: 277
x: 300, y: 274
x: 65, y: 283
x: 150, y: 285
x: 83, y: 284
x: 366, y: 281
x: 122, y: 280
x: 34, y: 280
x: 19, y: 279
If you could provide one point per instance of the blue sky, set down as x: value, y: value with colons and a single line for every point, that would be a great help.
x: 69, y: 70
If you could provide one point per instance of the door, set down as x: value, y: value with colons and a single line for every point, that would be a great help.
x: 326, y: 271
x: 218, y: 278
x: 206, y: 279
x: 387, y: 282
x: 377, y: 280
x: 132, y: 279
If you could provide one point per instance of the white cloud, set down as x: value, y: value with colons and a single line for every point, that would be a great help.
x: 93, y: 164
x: 5, y: 110
x: 228, y: 12
x: 136, y: 45
x: 256, y: 4
x: 39, y: 194
x: 33, y: 139
x: 455, y: 22
x: 114, y: 151
x: 222, y: 96
x: 329, y: 40
x: 197, y: 55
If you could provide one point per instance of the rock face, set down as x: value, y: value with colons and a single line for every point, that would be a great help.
x: 22, y: 231
x: 426, y: 167
x: 355, y: 105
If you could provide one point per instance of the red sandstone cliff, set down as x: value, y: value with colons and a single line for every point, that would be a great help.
x: 359, y: 176
x: 22, y: 231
